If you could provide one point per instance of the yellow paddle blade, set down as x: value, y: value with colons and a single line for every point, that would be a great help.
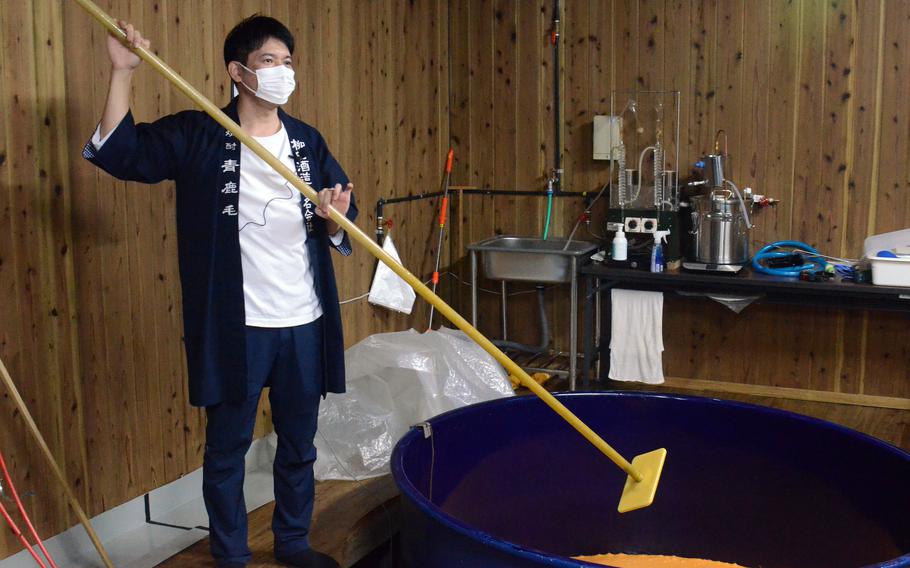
x: 640, y: 494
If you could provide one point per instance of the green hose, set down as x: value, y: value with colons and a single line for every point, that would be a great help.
x: 546, y: 226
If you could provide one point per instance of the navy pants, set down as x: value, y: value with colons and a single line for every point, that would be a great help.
x: 276, y: 357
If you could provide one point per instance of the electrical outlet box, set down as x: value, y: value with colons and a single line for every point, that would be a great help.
x: 633, y: 224
x: 648, y: 225
x: 607, y: 134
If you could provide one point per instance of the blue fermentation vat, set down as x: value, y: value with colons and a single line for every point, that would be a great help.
x: 509, y: 484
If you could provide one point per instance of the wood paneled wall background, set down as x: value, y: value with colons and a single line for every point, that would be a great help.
x: 810, y: 92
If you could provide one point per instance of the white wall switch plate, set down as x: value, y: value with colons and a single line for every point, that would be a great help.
x: 607, y: 134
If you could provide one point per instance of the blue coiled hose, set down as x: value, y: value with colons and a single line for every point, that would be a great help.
x: 814, y: 264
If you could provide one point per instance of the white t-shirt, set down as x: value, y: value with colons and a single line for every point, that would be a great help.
x: 278, y: 284
x: 277, y: 277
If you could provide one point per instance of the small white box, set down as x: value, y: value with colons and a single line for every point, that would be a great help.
x: 890, y: 271
x: 607, y: 134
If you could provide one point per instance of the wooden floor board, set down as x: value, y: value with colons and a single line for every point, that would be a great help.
x: 345, y: 525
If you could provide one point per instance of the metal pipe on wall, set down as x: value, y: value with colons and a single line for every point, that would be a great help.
x: 557, y: 118
x: 381, y: 202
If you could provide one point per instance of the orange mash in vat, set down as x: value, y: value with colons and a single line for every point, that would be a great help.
x: 653, y: 561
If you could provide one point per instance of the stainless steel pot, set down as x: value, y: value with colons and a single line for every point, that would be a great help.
x: 719, y: 233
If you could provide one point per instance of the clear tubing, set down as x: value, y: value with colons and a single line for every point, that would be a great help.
x: 659, y: 121
x: 631, y: 126
x: 572, y: 234
x: 641, y: 160
x: 632, y: 107
x: 668, y: 179
x: 659, y: 188
x: 630, y: 183
x: 741, y: 202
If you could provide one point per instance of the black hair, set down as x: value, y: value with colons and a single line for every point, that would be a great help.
x: 250, y: 34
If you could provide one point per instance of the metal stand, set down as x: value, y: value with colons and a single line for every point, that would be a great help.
x: 573, y: 314
x: 598, y: 340
x: 573, y: 326
x: 505, y: 314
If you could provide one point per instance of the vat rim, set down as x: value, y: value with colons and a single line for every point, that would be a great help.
x: 435, y: 512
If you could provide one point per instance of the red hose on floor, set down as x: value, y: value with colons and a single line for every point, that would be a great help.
x: 28, y: 521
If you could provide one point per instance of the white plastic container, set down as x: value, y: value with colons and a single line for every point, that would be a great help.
x: 620, y: 248
x: 890, y: 271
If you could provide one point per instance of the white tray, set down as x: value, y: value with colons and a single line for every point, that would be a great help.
x: 890, y: 271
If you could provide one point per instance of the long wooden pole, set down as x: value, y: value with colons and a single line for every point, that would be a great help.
x: 364, y: 240
x: 55, y: 467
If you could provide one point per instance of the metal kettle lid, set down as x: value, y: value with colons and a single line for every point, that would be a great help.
x: 719, y: 196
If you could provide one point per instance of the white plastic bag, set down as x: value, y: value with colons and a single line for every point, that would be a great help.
x: 388, y: 289
x: 395, y: 380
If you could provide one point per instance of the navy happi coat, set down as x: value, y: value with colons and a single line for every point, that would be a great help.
x: 204, y: 159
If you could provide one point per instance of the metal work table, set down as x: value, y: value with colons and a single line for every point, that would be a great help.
x: 773, y: 289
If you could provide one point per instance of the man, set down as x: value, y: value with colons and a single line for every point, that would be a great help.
x: 260, y: 303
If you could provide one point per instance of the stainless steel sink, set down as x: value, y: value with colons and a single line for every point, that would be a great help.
x: 529, y: 259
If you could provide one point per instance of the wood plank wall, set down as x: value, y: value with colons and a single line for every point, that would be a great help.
x: 108, y: 387
x: 810, y: 94
x: 810, y: 91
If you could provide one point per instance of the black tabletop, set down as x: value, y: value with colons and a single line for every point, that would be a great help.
x: 776, y: 288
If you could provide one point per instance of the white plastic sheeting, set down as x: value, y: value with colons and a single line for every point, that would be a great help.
x: 395, y: 380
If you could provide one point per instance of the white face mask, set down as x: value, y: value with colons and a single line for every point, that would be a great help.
x: 275, y: 83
